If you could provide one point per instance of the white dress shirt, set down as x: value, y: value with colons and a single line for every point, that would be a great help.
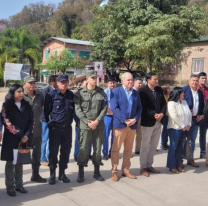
x: 195, y: 102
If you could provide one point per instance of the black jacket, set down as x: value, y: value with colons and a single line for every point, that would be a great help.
x: 17, y: 124
x: 148, y: 105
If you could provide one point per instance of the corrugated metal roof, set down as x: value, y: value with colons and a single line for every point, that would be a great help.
x: 74, y: 41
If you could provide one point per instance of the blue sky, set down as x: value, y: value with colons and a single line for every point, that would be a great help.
x: 104, y: 2
x: 11, y: 7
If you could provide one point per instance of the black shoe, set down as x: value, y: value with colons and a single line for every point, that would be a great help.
x: 90, y: 157
x: 202, y: 156
x: 11, y: 193
x: 109, y: 156
x: 36, y: 176
x: 137, y: 153
x: 164, y: 147
x: 63, y: 177
x: 75, y: 159
x: 52, y: 179
x: 105, y: 157
x: 21, y: 190
x: 80, y: 177
x: 97, y: 174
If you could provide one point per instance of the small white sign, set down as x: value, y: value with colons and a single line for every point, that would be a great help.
x: 98, y: 67
x: 16, y: 71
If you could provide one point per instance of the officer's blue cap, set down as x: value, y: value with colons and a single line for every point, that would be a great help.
x: 63, y: 77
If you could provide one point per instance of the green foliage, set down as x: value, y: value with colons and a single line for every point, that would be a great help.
x: 64, y: 61
x: 19, y: 46
x: 141, y: 33
x: 1, y: 77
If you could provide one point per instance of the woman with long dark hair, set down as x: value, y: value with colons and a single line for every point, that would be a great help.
x: 17, y: 119
x: 179, y: 121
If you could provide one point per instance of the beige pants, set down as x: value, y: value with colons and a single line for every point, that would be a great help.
x: 121, y: 136
x: 150, y: 139
x: 138, y: 138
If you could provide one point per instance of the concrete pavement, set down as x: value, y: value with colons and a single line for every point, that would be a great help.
x: 166, y: 189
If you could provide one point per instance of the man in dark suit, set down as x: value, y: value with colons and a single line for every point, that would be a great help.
x: 126, y: 107
x: 154, y: 108
x: 195, y: 100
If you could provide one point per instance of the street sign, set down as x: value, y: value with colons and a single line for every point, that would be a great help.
x: 99, y: 68
x: 14, y: 71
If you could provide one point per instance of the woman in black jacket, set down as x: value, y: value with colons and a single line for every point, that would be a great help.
x: 17, y: 119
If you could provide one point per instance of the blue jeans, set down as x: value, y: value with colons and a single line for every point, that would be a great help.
x: 193, y: 133
x: 45, y: 142
x: 202, y: 137
x: 174, y: 150
x: 164, y: 134
x: 108, y: 128
x: 76, y: 143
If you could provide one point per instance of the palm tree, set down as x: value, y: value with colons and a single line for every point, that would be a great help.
x: 19, y: 46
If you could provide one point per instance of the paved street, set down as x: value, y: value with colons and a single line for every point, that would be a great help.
x: 166, y: 189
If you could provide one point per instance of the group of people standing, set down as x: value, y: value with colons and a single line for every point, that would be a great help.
x: 44, y: 119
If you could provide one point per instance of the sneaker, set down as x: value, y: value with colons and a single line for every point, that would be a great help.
x: 202, y: 156
x: 44, y: 163
x: 164, y: 147
x: 105, y: 157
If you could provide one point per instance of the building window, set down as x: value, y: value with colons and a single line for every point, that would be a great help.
x: 72, y: 52
x: 84, y: 55
x: 46, y: 54
x: 56, y: 53
x: 197, y: 65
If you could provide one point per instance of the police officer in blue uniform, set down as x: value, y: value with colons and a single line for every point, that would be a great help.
x: 59, y: 110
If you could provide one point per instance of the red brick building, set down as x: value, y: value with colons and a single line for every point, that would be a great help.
x: 54, y: 45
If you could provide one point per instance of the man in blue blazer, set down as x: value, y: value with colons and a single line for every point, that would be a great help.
x: 195, y: 100
x: 126, y: 107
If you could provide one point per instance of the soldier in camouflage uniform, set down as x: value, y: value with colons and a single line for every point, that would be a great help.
x: 91, y: 107
x: 36, y: 101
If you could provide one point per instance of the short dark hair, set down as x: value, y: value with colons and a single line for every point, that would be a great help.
x: 202, y: 74
x: 111, y: 79
x: 175, y: 94
x: 138, y: 79
x: 149, y: 75
x: 52, y: 78
x: 194, y: 75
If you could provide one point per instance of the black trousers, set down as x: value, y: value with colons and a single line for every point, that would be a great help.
x: 36, y: 145
x: 59, y: 137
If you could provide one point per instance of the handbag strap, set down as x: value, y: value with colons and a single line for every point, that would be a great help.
x: 20, y: 145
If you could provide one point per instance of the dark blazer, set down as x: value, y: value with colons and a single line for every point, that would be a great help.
x: 189, y: 98
x: 16, y: 124
x: 45, y: 92
x: 148, y: 104
x: 119, y: 106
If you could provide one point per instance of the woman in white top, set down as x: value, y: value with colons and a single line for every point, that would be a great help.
x: 179, y: 122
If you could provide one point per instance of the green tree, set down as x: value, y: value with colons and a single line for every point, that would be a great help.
x: 64, y: 61
x: 19, y: 46
x: 139, y: 33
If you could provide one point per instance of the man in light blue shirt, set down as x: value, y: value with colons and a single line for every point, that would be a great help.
x: 108, y: 120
